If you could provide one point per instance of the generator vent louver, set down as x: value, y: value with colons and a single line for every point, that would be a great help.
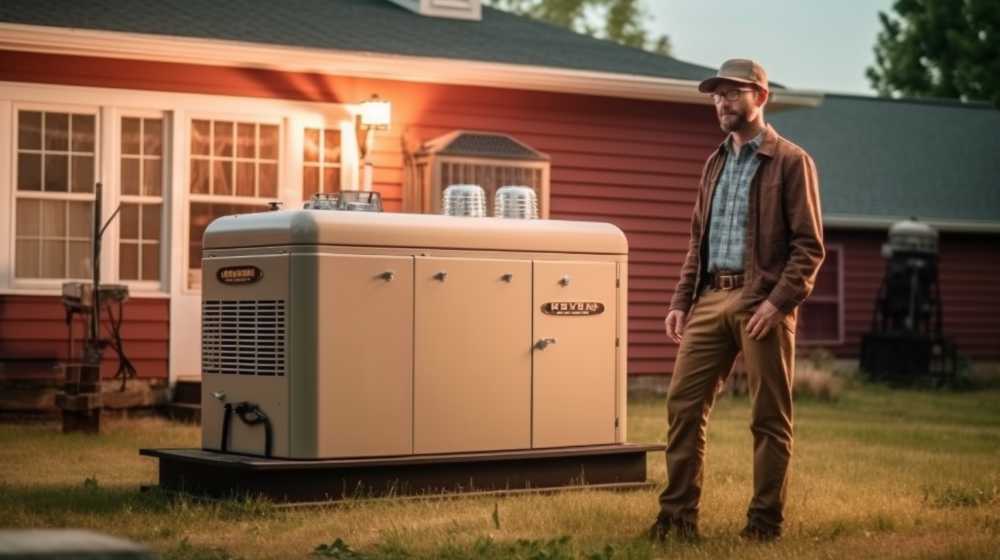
x: 245, y: 337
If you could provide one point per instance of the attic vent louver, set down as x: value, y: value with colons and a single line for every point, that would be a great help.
x: 454, y: 9
x: 486, y: 159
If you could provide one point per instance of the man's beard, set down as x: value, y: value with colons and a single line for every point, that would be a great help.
x: 732, y: 122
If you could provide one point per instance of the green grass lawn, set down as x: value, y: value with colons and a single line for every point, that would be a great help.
x: 876, y: 474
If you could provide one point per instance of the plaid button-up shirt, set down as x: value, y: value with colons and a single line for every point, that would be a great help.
x: 728, y: 222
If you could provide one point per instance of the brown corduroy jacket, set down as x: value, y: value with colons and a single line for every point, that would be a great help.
x: 784, y: 238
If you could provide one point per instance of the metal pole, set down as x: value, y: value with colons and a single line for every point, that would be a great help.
x: 95, y: 316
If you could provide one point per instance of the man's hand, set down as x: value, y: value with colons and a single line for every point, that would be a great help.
x: 675, y: 324
x: 763, y: 320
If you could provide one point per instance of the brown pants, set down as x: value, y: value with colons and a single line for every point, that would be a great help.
x: 715, y: 333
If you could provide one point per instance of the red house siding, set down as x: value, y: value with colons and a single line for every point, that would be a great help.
x: 970, y: 301
x: 629, y: 162
x: 35, y: 327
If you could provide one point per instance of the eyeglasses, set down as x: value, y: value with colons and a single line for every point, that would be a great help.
x: 731, y: 95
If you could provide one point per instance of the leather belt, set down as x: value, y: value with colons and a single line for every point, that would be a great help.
x: 725, y: 281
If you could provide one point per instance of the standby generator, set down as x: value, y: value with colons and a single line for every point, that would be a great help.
x: 334, y: 334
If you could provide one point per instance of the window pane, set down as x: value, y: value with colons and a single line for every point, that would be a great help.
x: 151, y: 221
x: 83, y: 133
x: 202, y: 214
x: 200, y: 135
x: 222, y: 173
x: 223, y: 139
x: 56, y: 173
x: 199, y: 176
x: 331, y: 179
x: 29, y: 172
x: 53, y: 259
x: 83, y: 173
x: 268, y: 180
x: 246, y: 141
x: 268, y: 141
x: 79, y: 259
x: 244, y: 178
x: 310, y: 181
x: 152, y: 137
x: 129, y: 217
x: 130, y: 176
x: 81, y: 219
x: 28, y: 218
x: 57, y: 131
x: 828, y: 276
x: 331, y: 146
x: 27, y: 264
x: 130, y: 135
x: 53, y: 218
x: 29, y: 130
x: 128, y: 261
x: 311, y: 148
x: 151, y: 261
x: 152, y: 176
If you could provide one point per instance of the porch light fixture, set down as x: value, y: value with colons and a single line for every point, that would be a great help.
x: 375, y: 115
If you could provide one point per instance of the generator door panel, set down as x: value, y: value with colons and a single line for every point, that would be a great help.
x: 574, y: 353
x: 245, y: 372
x: 472, y: 355
x: 364, y: 346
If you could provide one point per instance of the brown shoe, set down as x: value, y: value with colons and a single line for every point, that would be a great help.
x: 683, y: 530
x: 657, y: 532
x: 760, y: 534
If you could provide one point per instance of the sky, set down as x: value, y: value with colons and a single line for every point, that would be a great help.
x: 820, y: 45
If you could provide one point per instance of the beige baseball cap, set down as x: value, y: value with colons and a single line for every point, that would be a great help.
x: 740, y: 70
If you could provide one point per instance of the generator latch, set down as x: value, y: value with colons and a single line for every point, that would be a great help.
x: 543, y: 343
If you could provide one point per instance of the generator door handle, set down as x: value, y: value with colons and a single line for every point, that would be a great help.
x: 544, y: 342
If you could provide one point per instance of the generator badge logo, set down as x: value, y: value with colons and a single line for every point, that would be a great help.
x: 239, y: 274
x: 575, y: 308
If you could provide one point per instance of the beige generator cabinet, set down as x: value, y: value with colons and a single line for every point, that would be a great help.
x: 330, y: 334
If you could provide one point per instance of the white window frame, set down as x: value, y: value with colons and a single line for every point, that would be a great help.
x: 838, y: 299
x: 12, y: 152
x: 350, y: 157
x: 113, y: 233
x: 282, y: 195
x: 177, y: 109
x: 321, y: 164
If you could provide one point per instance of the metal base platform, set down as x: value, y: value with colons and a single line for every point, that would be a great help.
x: 225, y: 475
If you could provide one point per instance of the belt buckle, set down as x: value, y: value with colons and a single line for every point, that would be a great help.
x: 726, y: 281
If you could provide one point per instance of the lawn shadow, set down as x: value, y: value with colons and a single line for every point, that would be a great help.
x: 92, y: 499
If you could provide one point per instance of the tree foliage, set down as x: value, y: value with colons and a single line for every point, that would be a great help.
x: 621, y: 21
x: 939, y: 48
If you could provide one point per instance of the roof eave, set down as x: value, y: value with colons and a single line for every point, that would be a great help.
x: 215, y: 52
x: 861, y: 222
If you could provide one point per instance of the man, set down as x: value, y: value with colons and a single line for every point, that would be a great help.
x: 756, y: 245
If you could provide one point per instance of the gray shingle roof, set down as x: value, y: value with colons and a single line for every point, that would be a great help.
x: 355, y: 25
x: 481, y: 144
x: 889, y: 158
